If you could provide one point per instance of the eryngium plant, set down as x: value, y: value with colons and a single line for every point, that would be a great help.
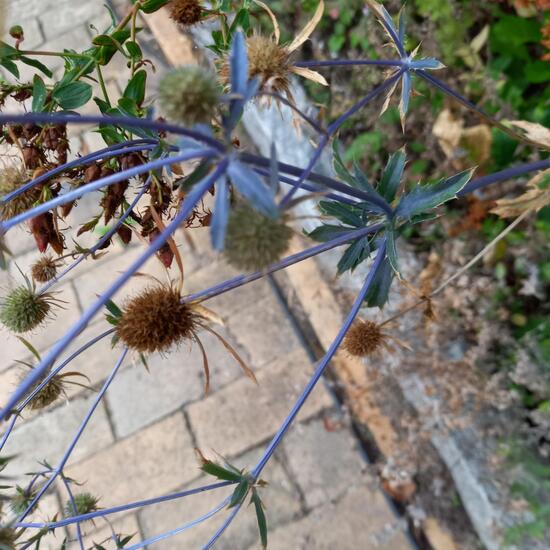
x: 248, y: 216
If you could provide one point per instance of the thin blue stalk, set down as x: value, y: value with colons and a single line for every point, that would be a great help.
x: 130, y: 122
x: 224, y: 526
x: 75, y: 511
x: 347, y: 62
x: 44, y: 382
x: 77, y: 437
x: 322, y: 365
x: 334, y: 126
x: 196, y: 193
x: 240, y: 280
x: 503, y: 175
x: 104, y: 182
x: 182, y: 528
x: 124, y: 507
x: 109, y: 152
x: 308, y: 187
x: 101, y: 241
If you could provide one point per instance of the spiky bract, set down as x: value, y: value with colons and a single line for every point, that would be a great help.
x: 254, y: 241
x: 20, y: 501
x: 189, y: 95
x: 155, y: 320
x: 24, y: 309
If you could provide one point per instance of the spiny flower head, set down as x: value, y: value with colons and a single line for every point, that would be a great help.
x: 155, y: 320
x: 84, y: 504
x: 44, y: 269
x: 254, y: 241
x: 365, y: 338
x: 271, y: 62
x: 20, y: 501
x: 49, y: 394
x: 12, y: 178
x: 23, y: 309
x: 189, y: 94
x: 186, y: 12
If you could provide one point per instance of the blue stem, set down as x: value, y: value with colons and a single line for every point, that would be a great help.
x: 78, y: 435
x: 101, y: 241
x: 240, y: 280
x: 124, y: 507
x: 322, y: 365
x: 182, y: 528
x: 189, y: 203
x: 75, y: 510
x: 109, y: 152
x: 103, y: 182
x: 348, y: 62
x: 224, y: 526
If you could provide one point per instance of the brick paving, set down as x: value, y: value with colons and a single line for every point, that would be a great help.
x: 141, y: 441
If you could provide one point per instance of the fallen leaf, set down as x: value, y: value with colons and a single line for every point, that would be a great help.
x: 535, y: 198
x: 536, y: 133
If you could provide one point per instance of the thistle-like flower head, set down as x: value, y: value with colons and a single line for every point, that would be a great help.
x: 84, y: 504
x: 186, y: 12
x: 44, y: 269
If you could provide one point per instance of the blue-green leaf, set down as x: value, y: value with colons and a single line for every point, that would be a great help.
x: 426, y: 197
x: 378, y: 293
x: 220, y: 216
x: 392, y: 175
x: 327, y: 232
x: 354, y: 255
x: 346, y: 213
x: 260, y: 516
x: 391, y: 248
x: 239, y: 493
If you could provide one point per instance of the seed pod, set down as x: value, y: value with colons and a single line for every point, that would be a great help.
x: 186, y: 12
x: 125, y: 234
x: 32, y: 157
x: 92, y: 173
x: 189, y: 95
x: 165, y: 254
x: 254, y: 241
x: 155, y: 320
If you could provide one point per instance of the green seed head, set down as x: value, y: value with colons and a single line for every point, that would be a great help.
x: 189, y: 95
x: 254, y: 241
x: 20, y: 501
x: 84, y: 502
x: 23, y: 309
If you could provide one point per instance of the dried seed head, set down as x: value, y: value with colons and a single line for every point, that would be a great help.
x: 255, y: 241
x: 44, y: 270
x: 84, y: 504
x: 189, y: 95
x: 8, y: 538
x: 155, y: 320
x: 364, y: 338
x: 12, y: 178
x: 186, y: 12
x: 23, y: 309
x: 49, y: 394
x: 267, y: 61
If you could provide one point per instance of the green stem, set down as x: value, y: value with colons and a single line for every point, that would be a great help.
x: 102, y: 84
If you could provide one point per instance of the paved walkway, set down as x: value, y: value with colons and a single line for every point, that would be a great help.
x: 141, y: 439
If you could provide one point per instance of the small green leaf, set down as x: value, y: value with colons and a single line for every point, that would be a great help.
x: 392, y: 175
x: 391, y: 249
x: 346, y: 213
x: 113, y: 309
x: 239, y: 493
x: 327, y: 232
x: 378, y: 293
x: 10, y: 66
x: 216, y: 470
x: 37, y: 65
x: 39, y: 94
x: 150, y: 6
x: 426, y: 197
x: 72, y: 95
x: 134, y: 50
x: 354, y: 255
x: 260, y: 516
x: 136, y: 87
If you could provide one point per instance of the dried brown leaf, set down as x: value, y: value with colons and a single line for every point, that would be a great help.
x: 305, y: 33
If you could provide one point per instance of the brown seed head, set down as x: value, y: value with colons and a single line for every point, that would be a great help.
x: 12, y: 178
x: 155, y: 320
x: 44, y: 270
x: 364, y: 338
x: 267, y: 61
x: 186, y: 12
x: 49, y: 394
